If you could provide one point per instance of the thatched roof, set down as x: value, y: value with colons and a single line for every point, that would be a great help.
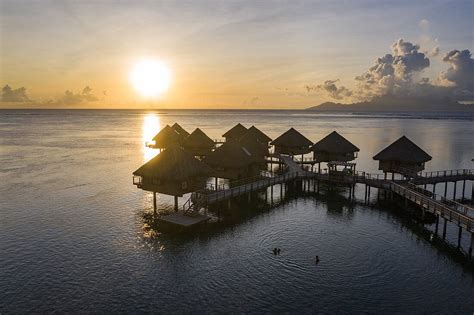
x: 173, y: 164
x: 198, y: 139
x: 292, y: 138
x: 180, y: 130
x: 257, y: 134
x: 335, y: 143
x: 257, y: 148
x: 230, y: 155
x: 167, y: 137
x: 235, y: 132
x: 403, y: 150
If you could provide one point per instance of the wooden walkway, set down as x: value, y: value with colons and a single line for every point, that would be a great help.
x: 441, y: 207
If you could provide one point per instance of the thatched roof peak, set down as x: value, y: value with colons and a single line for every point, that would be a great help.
x: 173, y: 164
x: 292, y: 138
x: 231, y: 154
x: 198, y: 139
x: 235, y: 132
x: 167, y: 137
x: 403, y: 150
x: 335, y: 143
x: 256, y: 133
x: 180, y: 130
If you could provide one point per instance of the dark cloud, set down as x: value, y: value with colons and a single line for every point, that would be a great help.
x: 330, y: 87
x: 71, y: 98
x: 14, y: 95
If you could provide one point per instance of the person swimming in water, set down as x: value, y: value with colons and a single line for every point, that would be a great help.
x: 317, y: 259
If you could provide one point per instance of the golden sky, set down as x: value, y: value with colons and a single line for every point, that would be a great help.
x: 220, y: 54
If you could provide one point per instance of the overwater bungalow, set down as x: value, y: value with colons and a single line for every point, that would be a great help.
x: 292, y: 142
x: 336, y: 151
x: 258, y: 134
x: 172, y: 172
x: 180, y: 130
x: 198, y: 143
x: 256, y: 141
x: 402, y: 157
x: 258, y: 150
x: 167, y: 137
x: 235, y: 133
x: 232, y: 160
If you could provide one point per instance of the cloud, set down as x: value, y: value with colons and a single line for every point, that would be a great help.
x: 460, y: 73
x: 393, y: 73
x: 14, y: 95
x: 430, y: 46
x: 71, y: 98
x: 424, y: 24
x: 330, y: 87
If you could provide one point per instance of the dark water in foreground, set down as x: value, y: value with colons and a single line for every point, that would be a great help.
x: 74, y: 236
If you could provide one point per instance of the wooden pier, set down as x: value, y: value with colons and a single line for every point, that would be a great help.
x: 189, y: 160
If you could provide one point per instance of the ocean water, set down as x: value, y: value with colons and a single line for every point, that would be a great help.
x: 75, y: 235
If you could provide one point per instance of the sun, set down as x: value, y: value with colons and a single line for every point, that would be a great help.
x: 150, y: 77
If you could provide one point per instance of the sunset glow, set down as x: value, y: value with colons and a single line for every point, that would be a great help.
x: 150, y: 78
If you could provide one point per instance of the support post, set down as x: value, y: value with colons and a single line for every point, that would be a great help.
x: 154, y: 202
x: 454, y: 193
x: 437, y: 223
x: 459, y: 237
x: 445, y: 189
x: 444, y: 228
x: 463, y: 189
x: 215, y: 183
x: 176, y: 203
x: 434, y: 189
x: 471, y: 245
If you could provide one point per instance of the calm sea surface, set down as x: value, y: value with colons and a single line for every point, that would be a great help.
x: 74, y: 232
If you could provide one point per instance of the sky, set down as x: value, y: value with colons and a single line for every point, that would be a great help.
x: 233, y: 54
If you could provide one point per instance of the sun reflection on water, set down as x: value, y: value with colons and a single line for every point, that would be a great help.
x: 151, y: 126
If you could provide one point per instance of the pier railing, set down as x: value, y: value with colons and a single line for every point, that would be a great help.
x: 434, y: 206
x: 459, y: 207
x: 447, y: 173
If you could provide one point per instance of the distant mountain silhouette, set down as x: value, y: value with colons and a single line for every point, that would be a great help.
x: 397, y: 104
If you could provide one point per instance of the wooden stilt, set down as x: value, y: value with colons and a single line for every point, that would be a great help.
x: 175, y: 203
x: 437, y: 223
x: 154, y: 202
x: 445, y: 189
x: 459, y: 237
x: 216, y: 180
x: 463, y: 189
x: 434, y: 189
x: 444, y: 228
x: 454, y: 193
x: 471, y: 245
